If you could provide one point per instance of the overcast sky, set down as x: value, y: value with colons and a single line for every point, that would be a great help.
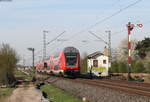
x: 22, y: 23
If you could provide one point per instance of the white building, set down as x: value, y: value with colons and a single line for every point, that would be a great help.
x: 98, y: 64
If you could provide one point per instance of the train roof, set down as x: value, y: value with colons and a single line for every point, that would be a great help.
x: 70, y: 49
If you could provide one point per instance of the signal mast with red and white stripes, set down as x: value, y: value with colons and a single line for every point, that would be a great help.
x: 130, y: 28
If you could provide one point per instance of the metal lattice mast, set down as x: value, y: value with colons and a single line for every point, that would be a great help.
x: 109, y: 43
x: 44, y: 44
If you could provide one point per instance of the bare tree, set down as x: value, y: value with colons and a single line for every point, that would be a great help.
x: 8, y: 61
x: 122, y: 50
x: 83, y: 63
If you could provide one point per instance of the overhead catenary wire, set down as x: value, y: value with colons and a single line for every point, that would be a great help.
x: 51, y: 41
x: 56, y: 38
x: 114, y: 14
x: 98, y: 37
x: 97, y: 23
x: 103, y: 20
x: 37, y: 53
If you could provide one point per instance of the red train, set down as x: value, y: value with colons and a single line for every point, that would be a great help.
x: 67, y: 63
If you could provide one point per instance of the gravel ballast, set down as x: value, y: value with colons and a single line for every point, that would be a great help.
x: 97, y: 94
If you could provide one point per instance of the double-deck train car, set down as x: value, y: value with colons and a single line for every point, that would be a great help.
x: 67, y: 63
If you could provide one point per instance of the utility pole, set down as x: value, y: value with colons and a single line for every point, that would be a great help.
x: 32, y: 49
x: 33, y: 57
x: 23, y: 61
x: 109, y: 44
x: 33, y: 77
x: 44, y: 44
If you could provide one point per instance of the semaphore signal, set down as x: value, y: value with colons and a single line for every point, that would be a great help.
x: 130, y: 27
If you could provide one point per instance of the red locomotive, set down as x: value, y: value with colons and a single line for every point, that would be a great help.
x: 66, y: 64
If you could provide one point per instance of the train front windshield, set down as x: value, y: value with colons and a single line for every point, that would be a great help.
x: 71, y: 60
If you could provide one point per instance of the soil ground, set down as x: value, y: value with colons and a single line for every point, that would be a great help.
x: 25, y: 94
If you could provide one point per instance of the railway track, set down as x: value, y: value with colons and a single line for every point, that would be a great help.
x: 128, y: 82
x: 138, y: 88
x: 133, y: 88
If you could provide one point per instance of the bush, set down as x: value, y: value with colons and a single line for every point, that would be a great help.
x: 147, y: 69
x: 118, y: 67
x: 114, y: 67
x: 138, y: 67
x: 8, y: 61
x: 122, y: 67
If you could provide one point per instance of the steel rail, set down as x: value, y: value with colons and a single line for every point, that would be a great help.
x: 127, y: 82
x: 122, y: 85
x: 127, y: 89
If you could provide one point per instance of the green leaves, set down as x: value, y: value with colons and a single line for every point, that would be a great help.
x: 143, y: 47
x: 118, y: 67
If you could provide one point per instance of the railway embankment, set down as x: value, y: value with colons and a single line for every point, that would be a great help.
x: 92, y: 93
x: 27, y: 91
x: 54, y: 94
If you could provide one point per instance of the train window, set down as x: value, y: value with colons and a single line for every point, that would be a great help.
x: 71, y: 60
x: 95, y: 63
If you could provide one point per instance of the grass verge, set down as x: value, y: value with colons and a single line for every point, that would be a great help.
x: 57, y: 95
x: 4, y: 92
x: 23, y: 75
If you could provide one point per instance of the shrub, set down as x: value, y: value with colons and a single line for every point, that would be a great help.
x: 138, y: 67
x: 122, y: 67
x: 118, y: 67
x: 114, y: 67
x: 147, y: 69
x: 8, y: 61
